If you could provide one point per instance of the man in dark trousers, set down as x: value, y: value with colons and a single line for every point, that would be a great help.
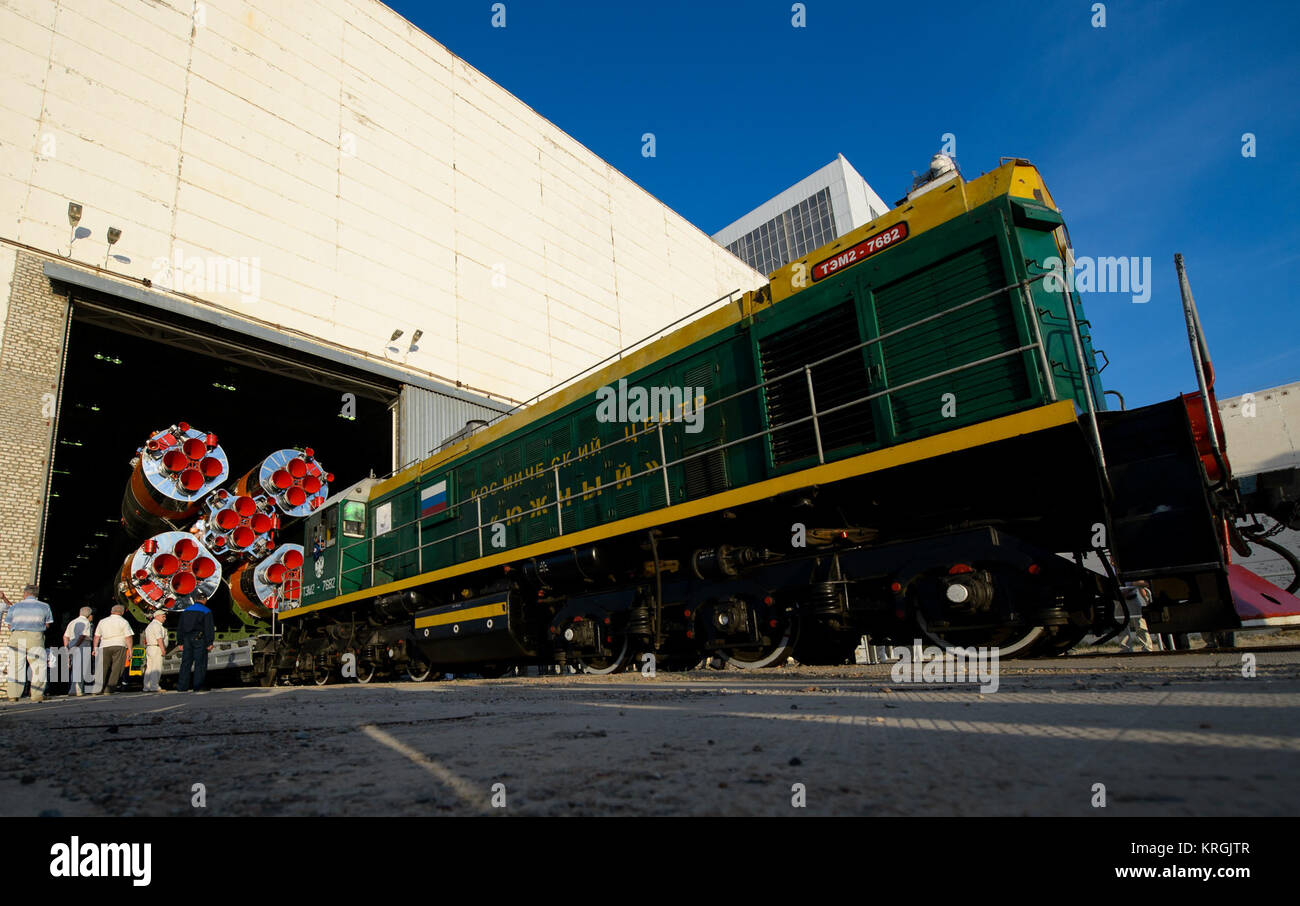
x: 196, y: 634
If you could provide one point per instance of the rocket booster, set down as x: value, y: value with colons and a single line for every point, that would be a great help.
x: 171, y: 474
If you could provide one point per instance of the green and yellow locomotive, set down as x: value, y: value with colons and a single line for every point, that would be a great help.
x: 903, y: 435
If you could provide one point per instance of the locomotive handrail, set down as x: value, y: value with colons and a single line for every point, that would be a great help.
x: 1023, y: 284
x: 662, y: 467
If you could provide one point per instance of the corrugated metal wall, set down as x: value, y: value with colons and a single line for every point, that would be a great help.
x: 426, y: 419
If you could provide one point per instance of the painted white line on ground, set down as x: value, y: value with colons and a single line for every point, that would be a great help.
x: 997, y: 728
x: 468, y: 793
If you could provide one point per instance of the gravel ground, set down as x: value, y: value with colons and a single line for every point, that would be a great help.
x: 1175, y: 735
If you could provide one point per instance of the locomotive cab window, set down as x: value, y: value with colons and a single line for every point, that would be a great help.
x: 354, y: 519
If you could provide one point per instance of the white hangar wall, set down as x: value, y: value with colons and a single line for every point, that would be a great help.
x: 366, y: 179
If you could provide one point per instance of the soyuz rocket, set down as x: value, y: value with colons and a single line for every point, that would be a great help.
x: 201, y: 531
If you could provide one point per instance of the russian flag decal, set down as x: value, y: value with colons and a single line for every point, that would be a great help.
x: 433, y: 499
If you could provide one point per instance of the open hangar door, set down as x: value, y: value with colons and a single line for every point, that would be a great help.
x: 129, y: 371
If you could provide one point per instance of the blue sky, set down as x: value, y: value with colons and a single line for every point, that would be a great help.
x: 1137, y: 128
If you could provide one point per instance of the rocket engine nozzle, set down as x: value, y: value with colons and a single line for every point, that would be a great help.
x: 170, y: 571
x: 236, y: 525
x: 273, y: 584
x: 293, y: 479
x: 171, y: 474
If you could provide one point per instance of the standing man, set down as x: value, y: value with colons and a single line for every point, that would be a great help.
x: 76, y: 638
x: 197, y: 634
x: 155, y: 648
x: 113, y: 638
x: 28, y: 620
x: 5, y: 666
x: 1137, y: 596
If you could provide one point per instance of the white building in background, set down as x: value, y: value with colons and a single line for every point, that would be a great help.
x: 814, y: 211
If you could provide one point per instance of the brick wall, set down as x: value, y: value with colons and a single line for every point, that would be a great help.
x: 31, y: 357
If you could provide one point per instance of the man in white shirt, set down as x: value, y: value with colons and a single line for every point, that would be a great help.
x: 155, y: 647
x: 76, y: 639
x: 113, y: 638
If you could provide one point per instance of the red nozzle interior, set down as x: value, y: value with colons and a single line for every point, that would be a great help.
x: 191, y: 479
x: 245, y: 506
x: 165, y: 564
x: 227, y: 519
x: 186, y: 549
x: 281, y: 479
x: 194, y: 448
x: 261, y: 523
x: 311, y: 484
x: 174, y: 461
x: 309, y: 453
x: 210, y: 467
x: 289, y: 591
x: 297, y: 467
x: 183, y: 426
x: 243, y: 536
x: 184, y: 583
x: 149, y: 546
x: 292, y: 559
x: 141, y: 575
x: 296, y: 496
x: 329, y: 477
x: 275, y: 573
x: 218, y: 541
x: 205, y: 567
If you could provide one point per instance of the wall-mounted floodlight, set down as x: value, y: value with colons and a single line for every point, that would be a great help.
x: 114, y: 234
x: 388, y: 347
x: 74, y: 218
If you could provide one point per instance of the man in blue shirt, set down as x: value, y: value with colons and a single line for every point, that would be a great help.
x: 196, y: 636
x: 28, y: 620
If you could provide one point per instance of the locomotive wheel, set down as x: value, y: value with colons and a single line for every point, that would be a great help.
x: 603, y: 666
x: 365, y: 673
x: 772, y: 655
x: 1011, y: 641
x: 420, y: 670
x: 323, y: 676
x: 268, y: 678
x: 1061, y: 643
